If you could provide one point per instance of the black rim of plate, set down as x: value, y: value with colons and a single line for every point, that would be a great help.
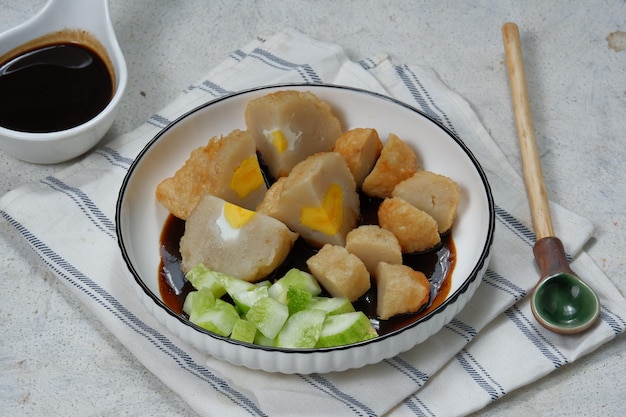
x: 438, y: 310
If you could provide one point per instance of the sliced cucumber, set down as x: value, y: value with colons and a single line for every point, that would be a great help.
x: 197, y: 302
x: 269, y: 316
x: 261, y: 340
x: 202, y: 277
x: 220, y: 318
x: 345, y: 329
x: 332, y: 305
x: 294, y: 278
x: 265, y: 284
x: 244, y: 331
x: 298, y: 299
x: 235, y: 285
x: 302, y: 329
x: 247, y: 298
x: 289, y: 313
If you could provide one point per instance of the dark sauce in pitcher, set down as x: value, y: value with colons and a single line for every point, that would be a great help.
x: 437, y: 264
x: 53, y: 88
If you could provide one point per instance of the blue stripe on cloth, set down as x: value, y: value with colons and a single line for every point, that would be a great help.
x: 306, y: 72
x: 84, y: 203
x: 114, y: 157
x: 422, y: 97
x: 515, y: 226
x: 519, y: 229
x: 158, y: 121
x: 213, y: 89
x: 496, y: 280
x: 417, y: 407
x: 417, y: 376
x: 462, y: 329
x: 238, y: 55
x: 482, y: 378
x: 530, y: 330
x: 65, y: 270
x: 324, y: 385
x: 368, y: 63
x: 613, y: 320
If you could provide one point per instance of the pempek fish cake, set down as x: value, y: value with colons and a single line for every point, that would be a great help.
x: 318, y: 200
x: 233, y: 240
x: 290, y: 125
x: 227, y: 167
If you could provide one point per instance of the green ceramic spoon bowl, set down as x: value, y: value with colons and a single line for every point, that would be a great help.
x: 561, y: 301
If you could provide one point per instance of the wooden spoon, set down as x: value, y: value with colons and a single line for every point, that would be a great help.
x: 560, y: 301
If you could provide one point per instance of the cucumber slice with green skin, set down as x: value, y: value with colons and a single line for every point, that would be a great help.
x: 244, y: 331
x: 269, y: 316
x: 294, y: 278
x: 220, y: 318
x: 345, y: 329
x: 197, y: 302
x: 235, y: 285
x: 298, y: 299
x: 302, y: 329
x: 332, y: 305
x: 202, y: 277
x: 265, y: 284
x: 244, y: 300
x: 261, y: 340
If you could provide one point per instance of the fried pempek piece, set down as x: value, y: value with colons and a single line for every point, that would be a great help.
x: 227, y: 167
x: 415, y: 229
x: 373, y: 244
x: 340, y: 272
x: 433, y: 193
x: 360, y: 148
x: 397, y: 162
x: 400, y: 290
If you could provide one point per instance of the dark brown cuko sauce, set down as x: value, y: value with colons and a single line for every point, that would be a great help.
x: 53, y: 88
x: 437, y: 264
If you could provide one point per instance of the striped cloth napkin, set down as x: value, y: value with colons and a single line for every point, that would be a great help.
x: 491, y: 348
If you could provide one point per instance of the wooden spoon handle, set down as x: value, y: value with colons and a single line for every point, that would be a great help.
x: 533, y: 176
x: 550, y: 256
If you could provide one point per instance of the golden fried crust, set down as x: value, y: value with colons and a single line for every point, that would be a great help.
x: 182, y: 192
x: 433, y: 193
x: 341, y: 273
x: 270, y: 204
x: 415, y: 229
x: 397, y: 162
x: 400, y: 289
x: 373, y: 244
x: 360, y: 148
x: 208, y: 171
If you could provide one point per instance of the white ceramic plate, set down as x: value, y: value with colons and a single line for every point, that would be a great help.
x: 140, y: 219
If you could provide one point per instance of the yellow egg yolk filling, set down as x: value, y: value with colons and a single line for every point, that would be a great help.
x: 327, y: 218
x: 247, y: 177
x: 237, y: 216
x: 279, y: 141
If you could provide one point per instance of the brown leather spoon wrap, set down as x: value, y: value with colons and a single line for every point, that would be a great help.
x: 550, y: 256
